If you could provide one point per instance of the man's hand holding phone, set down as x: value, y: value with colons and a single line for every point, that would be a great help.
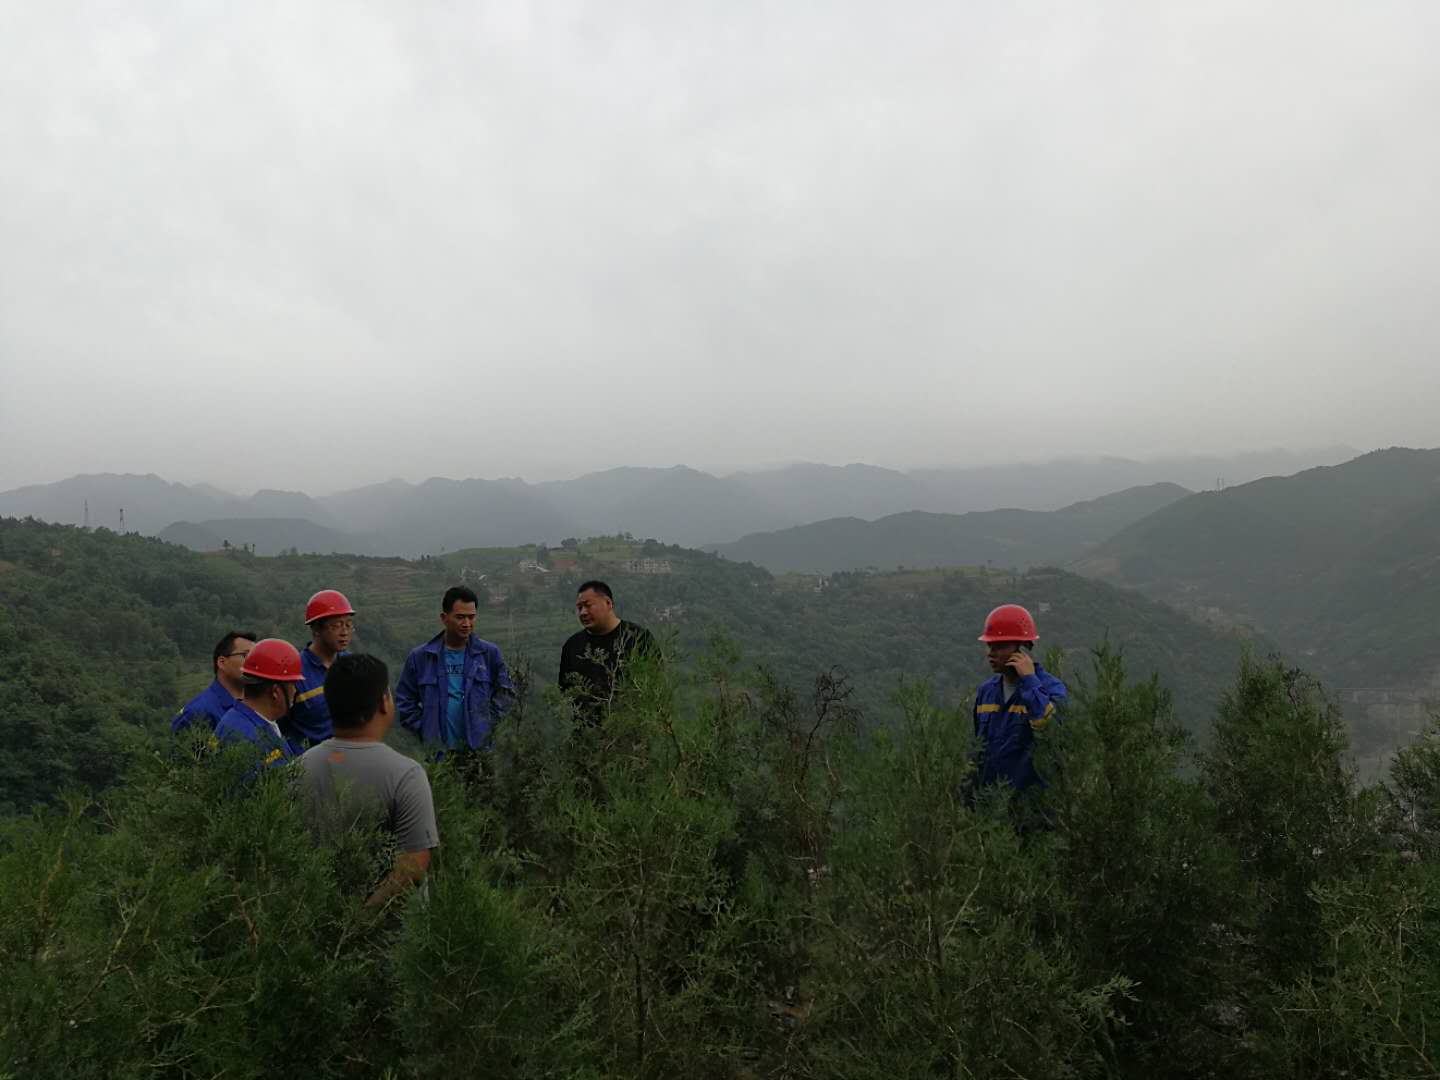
x: 1020, y: 664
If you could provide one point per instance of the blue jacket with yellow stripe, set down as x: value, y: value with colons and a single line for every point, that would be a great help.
x: 1006, y: 729
x: 243, y: 722
x: 309, y: 718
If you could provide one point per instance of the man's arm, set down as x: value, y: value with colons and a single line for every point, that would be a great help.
x: 410, y: 869
x: 502, y: 688
x: 415, y: 833
x: 1041, y: 696
x: 643, y: 644
x: 407, y: 695
x: 567, y: 665
x: 191, y: 712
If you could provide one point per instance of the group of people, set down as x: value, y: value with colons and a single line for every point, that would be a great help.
x: 329, y: 709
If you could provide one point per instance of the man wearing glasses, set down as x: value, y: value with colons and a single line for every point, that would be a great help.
x: 223, y: 693
x: 332, y: 626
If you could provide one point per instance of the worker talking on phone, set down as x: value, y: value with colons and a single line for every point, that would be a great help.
x: 1019, y: 700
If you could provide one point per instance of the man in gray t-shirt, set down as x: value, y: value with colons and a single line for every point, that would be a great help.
x: 353, y: 781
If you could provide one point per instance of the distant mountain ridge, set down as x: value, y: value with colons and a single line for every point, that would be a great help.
x: 1340, y: 563
x: 919, y: 540
x: 679, y: 504
x: 150, y: 503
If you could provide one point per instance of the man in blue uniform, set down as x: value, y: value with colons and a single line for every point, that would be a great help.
x: 1019, y: 700
x: 208, y: 706
x: 270, y: 675
x: 332, y: 626
x: 454, y: 687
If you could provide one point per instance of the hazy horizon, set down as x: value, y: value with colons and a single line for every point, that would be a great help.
x: 1321, y: 454
x: 313, y: 247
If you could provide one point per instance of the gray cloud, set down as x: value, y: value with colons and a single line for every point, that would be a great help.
x: 311, y: 245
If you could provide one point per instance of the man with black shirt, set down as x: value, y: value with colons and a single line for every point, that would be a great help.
x: 593, y: 661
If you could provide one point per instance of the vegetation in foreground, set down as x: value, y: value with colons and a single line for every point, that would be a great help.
x: 727, y: 882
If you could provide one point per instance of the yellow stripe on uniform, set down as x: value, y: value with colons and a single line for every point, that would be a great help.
x: 308, y: 694
x: 1040, y: 722
x: 1019, y: 708
x: 987, y: 708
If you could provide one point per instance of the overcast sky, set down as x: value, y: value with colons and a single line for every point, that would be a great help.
x: 311, y: 245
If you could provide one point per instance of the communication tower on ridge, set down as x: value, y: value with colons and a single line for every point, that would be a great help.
x: 87, y: 513
x: 122, y: 519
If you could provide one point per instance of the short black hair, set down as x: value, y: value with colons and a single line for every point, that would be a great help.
x: 458, y: 594
x: 355, y: 689
x: 253, y: 688
x: 599, y: 586
x: 226, y: 645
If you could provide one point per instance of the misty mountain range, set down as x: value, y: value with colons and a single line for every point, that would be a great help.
x: 679, y: 505
x: 1341, y: 564
x: 918, y: 540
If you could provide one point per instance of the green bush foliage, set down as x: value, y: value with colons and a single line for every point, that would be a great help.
x: 1147, y: 884
x: 1287, y: 802
x: 933, y: 956
x: 739, y: 877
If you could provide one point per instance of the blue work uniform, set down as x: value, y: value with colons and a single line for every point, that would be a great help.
x: 206, y: 707
x: 1006, y: 728
x: 243, y: 722
x: 423, y: 694
x: 308, y: 722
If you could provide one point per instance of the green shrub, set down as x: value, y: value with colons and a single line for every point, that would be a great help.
x: 932, y: 957
x: 1147, y: 889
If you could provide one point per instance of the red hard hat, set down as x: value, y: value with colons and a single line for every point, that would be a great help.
x: 275, y: 660
x: 325, y: 603
x: 1009, y: 622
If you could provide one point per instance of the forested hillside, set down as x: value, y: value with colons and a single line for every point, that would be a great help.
x: 1010, y: 538
x: 106, y: 635
x: 879, y: 628
x: 1341, y: 564
x: 263, y: 536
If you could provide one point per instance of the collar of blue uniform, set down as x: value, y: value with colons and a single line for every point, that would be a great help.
x: 437, y: 644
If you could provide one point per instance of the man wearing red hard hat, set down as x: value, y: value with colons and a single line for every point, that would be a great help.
x: 268, y: 681
x: 332, y: 625
x: 1015, y: 703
